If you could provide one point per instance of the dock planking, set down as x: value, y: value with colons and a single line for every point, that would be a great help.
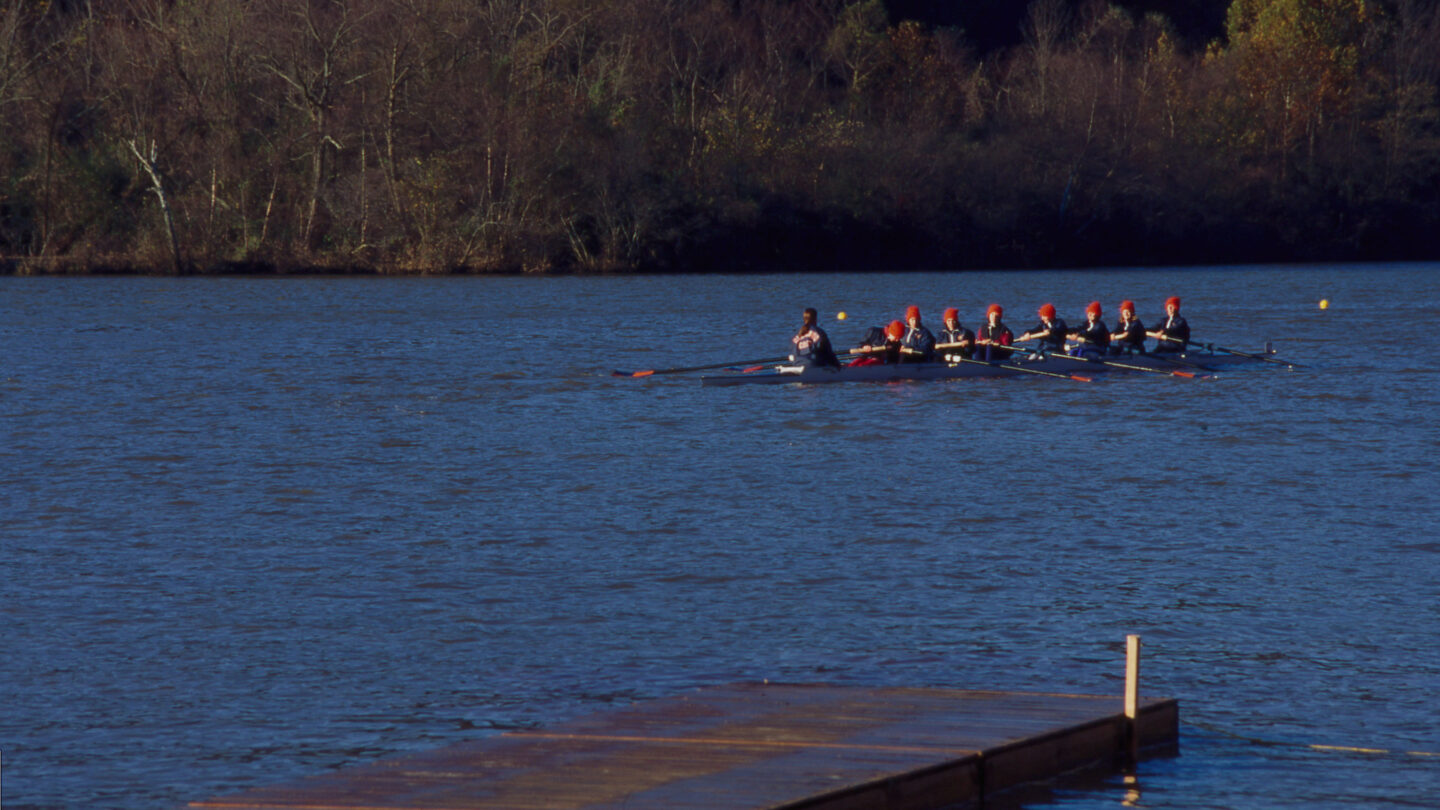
x: 747, y: 746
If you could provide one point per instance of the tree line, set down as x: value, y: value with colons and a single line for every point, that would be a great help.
x: 707, y: 135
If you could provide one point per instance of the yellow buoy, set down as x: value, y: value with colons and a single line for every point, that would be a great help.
x: 840, y: 316
x: 1324, y: 303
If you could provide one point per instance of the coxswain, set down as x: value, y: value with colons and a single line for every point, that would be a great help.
x: 955, y: 340
x: 812, y: 345
x: 1129, y: 334
x: 993, y: 336
x: 1050, y: 331
x: 886, y: 349
x: 1092, y: 340
x: 918, y: 345
x: 1174, y: 334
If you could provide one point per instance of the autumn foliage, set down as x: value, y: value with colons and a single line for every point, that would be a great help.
x: 706, y: 135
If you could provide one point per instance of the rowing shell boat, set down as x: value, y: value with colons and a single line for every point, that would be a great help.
x: 1018, y: 366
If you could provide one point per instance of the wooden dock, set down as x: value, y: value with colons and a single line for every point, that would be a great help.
x: 754, y: 746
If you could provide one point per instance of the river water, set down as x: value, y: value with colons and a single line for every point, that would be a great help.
x: 255, y: 529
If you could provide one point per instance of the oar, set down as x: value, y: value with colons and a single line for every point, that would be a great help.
x: 648, y: 372
x: 1213, y: 348
x: 1040, y: 354
x: 997, y: 364
x: 1170, y: 371
x: 1130, y: 367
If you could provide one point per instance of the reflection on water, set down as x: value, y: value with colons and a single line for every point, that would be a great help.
x: 1132, y: 791
x: 254, y: 529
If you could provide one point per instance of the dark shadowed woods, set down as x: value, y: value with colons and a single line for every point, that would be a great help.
x: 712, y: 135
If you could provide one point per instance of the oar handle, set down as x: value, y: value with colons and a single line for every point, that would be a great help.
x: 1210, y: 347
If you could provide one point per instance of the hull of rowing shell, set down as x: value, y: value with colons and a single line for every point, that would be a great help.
x: 948, y: 371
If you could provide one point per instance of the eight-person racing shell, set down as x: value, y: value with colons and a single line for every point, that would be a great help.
x: 989, y: 343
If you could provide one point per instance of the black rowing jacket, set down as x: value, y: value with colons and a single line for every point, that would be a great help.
x: 1055, y: 341
x: 1095, y: 336
x: 1128, y: 338
x: 1178, y: 329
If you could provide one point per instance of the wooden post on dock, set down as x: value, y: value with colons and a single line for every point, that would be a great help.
x: 1132, y: 694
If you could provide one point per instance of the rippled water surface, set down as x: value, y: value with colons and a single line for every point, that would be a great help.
x: 253, y: 529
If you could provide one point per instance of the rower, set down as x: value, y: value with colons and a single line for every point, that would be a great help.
x: 918, y: 345
x: 955, y: 340
x: 885, y: 349
x: 993, y: 336
x: 812, y: 345
x: 1092, y: 340
x: 1129, y: 334
x: 1050, y: 331
x: 1175, y: 333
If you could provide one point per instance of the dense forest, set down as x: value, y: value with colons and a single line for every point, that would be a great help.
x: 401, y: 136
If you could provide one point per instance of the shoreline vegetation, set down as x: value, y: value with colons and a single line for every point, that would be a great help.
x: 582, y: 136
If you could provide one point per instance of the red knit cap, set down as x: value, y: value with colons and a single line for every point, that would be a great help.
x: 995, y: 309
x: 1172, y: 301
x: 1094, y: 308
x: 1127, y: 306
x: 952, y: 314
x: 912, y: 312
x: 895, y: 330
x: 1047, y: 311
